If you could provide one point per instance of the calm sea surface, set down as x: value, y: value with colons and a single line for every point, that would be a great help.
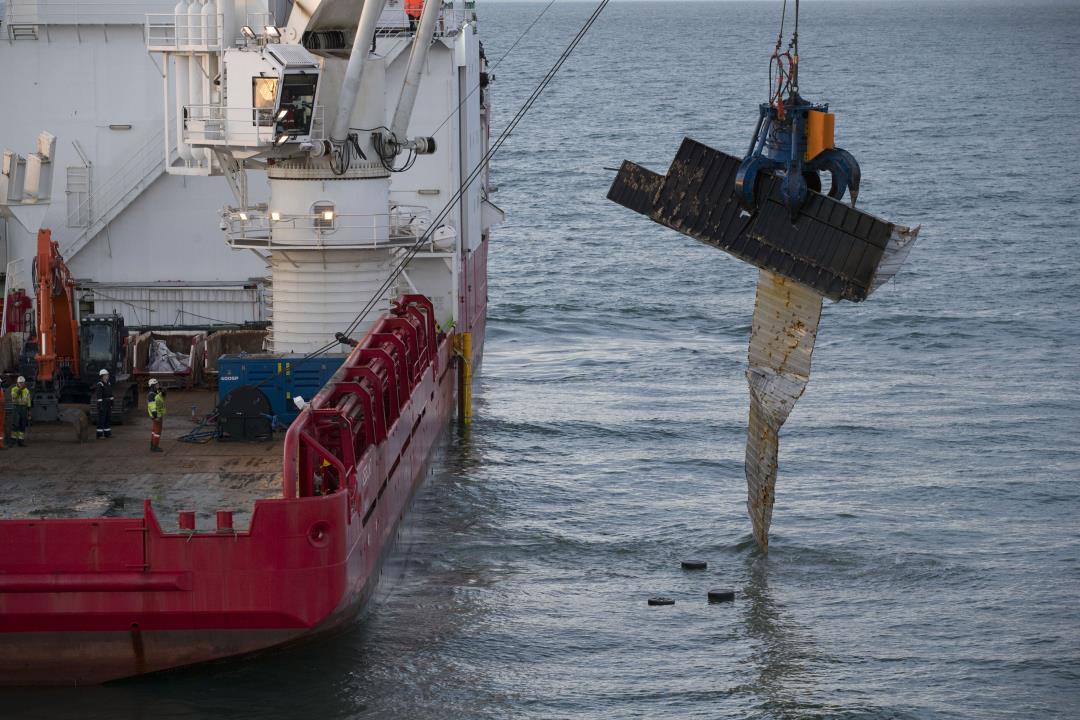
x: 926, y: 535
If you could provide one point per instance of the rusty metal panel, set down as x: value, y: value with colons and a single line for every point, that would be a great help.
x: 833, y: 248
x: 786, y: 316
x: 635, y: 187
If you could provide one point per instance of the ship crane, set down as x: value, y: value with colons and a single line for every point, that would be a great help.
x: 767, y: 209
x: 328, y: 106
x: 326, y: 115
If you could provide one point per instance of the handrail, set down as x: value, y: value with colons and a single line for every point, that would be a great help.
x: 100, y: 204
x: 239, y: 126
x: 75, y: 12
x: 394, y: 20
x: 166, y: 32
x: 402, y: 225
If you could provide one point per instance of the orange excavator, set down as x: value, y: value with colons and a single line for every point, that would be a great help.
x: 56, y: 326
x: 62, y: 358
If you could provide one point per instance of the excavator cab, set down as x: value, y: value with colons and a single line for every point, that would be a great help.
x: 101, y: 343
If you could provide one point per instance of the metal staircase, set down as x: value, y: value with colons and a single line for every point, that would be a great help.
x: 115, y: 194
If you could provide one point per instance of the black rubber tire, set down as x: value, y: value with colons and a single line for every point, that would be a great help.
x: 721, y: 595
x: 694, y: 564
x: 661, y: 601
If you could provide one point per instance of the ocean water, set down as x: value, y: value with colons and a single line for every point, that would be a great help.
x: 925, y: 557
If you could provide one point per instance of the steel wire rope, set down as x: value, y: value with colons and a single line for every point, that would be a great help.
x: 794, y: 46
x: 475, y: 173
x: 787, y: 78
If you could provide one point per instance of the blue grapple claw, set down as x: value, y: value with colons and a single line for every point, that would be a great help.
x: 794, y: 141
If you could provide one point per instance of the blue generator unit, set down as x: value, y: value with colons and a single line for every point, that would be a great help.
x: 254, y: 391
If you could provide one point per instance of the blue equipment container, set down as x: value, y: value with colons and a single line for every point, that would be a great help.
x: 279, y: 377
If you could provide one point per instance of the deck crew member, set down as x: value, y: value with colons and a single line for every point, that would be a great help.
x: 155, y: 407
x: 103, y: 398
x: 21, y: 400
x: 413, y: 8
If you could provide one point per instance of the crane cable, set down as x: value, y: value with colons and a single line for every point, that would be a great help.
x: 784, y: 66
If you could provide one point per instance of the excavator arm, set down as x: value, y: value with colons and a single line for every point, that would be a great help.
x: 56, y: 327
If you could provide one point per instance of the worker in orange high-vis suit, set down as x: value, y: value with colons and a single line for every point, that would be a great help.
x: 413, y: 8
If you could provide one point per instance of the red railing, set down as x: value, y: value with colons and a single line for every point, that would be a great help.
x: 365, y: 397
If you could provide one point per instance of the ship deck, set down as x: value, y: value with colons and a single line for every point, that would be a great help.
x: 56, y: 476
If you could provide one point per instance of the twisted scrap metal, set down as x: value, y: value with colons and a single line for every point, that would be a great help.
x: 785, y: 324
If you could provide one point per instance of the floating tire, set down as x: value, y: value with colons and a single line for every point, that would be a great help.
x: 721, y: 595
x: 694, y: 564
x: 661, y: 601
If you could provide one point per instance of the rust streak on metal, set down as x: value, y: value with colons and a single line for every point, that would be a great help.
x: 137, y: 649
x: 786, y: 316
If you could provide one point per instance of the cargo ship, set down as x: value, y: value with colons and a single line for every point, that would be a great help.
x: 346, y: 141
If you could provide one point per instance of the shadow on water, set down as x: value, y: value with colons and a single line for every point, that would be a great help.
x: 396, y: 659
x: 782, y: 654
x: 790, y: 670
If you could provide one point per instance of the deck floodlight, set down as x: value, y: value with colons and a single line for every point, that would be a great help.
x: 247, y: 32
x: 275, y: 216
x: 328, y: 216
x: 272, y: 32
x: 244, y: 216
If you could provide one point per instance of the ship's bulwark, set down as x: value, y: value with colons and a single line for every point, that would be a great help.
x: 87, y: 601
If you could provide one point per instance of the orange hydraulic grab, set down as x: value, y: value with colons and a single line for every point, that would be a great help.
x: 57, y: 328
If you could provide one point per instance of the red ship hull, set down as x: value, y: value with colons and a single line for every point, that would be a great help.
x: 91, y: 600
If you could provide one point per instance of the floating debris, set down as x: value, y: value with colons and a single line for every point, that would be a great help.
x: 721, y: 595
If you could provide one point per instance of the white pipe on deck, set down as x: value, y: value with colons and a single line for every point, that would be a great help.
x: 350, y: 86
x: 409, y: 89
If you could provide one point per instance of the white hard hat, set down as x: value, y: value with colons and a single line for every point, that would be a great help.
x: 153, y: 381
x: 21, y: 379
x: 103, y: 371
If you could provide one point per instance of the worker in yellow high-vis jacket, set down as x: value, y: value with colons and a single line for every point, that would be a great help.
x: 21, y: 401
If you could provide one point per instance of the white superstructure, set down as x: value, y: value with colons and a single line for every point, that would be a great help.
x: 141, y: 176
